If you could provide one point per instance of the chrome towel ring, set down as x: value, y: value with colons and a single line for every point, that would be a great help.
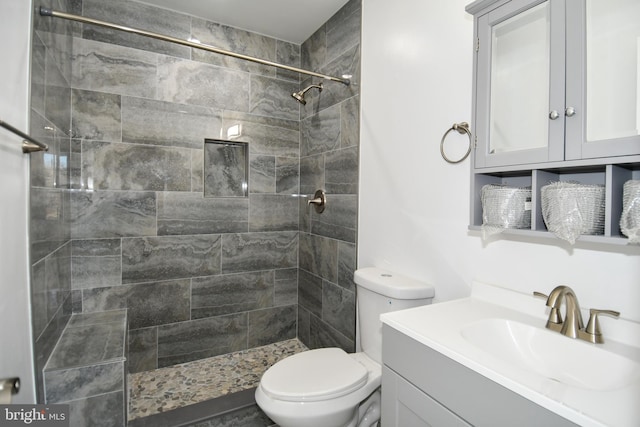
x: 461, y: 128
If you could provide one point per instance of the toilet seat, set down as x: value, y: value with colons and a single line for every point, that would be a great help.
x: 314, y: 375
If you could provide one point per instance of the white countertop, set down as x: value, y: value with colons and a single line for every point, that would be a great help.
x: 439, y: 326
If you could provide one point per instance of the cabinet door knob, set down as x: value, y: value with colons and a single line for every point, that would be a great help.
x: 570, y: 112
x: 554, y: 115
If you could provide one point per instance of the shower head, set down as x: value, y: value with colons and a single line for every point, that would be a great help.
x: 299, y: 96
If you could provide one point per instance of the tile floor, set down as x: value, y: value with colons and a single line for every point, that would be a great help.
x: 164, y: 389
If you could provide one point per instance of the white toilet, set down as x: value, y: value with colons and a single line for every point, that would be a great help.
x: 328, y: 387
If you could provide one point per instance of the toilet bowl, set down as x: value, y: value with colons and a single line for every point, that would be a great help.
x: 325, y: 386
x: 328, y: 387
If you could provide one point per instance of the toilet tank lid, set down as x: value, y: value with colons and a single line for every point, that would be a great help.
x: 391, y: 284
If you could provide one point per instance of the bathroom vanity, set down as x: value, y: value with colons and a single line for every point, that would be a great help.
x: 488, y: 360
x: 417, y: 378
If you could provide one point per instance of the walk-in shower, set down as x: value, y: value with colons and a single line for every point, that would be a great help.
x: 122, y: 217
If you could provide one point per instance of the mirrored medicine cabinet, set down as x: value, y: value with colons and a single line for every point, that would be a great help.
x: 556, y: 98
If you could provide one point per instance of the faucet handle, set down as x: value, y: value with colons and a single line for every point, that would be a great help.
x: 555, y: 318
x: 592, y: 331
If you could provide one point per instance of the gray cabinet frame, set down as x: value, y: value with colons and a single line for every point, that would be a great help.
x: 554, y: 150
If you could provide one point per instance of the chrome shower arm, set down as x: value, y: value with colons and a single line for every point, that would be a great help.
x: 299, y: 96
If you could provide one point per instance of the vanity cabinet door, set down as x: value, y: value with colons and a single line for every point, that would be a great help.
x: 520, y: 84
x: 603, y: 78
x: 405, y: 405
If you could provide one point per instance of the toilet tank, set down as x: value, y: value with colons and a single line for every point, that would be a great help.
x: 380, y: 291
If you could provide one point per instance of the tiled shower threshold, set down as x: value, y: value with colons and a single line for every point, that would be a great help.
x: 167, y: 389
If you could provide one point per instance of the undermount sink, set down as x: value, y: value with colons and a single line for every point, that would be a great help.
x: 552, y: 355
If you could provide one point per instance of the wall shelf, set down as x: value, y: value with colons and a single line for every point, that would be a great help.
x: 612, y: 176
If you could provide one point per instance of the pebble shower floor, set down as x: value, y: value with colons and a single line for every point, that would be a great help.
x: 164, y: 389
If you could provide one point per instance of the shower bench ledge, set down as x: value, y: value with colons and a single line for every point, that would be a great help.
x: 87, y: 367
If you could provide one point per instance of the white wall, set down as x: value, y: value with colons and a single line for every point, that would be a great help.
x: 15, y: 327
x: 414, y: 207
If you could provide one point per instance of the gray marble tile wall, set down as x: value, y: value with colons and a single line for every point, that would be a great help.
x: 50, y: 201
x: 199, y: 275
x: 329, y: 141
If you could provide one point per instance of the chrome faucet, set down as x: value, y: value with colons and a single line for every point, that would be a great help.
x: 573, y: 326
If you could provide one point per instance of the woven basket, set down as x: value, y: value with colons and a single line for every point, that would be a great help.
x: 630, y: 218
x: 506, y: 207
x: 570, y: 209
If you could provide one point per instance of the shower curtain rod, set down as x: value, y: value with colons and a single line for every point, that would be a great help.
x: 53, y: 13
x: 29, y: 145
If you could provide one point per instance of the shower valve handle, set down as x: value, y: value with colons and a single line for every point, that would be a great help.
x: 319, y: 200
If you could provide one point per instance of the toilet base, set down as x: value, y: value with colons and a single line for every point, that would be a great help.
x: 365, y: 414
x: 369, y: 411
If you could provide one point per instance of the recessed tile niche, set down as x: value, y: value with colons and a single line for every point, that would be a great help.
x: 226, y: 168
